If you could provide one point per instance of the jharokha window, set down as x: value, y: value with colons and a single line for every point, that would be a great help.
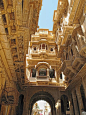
x: 42, y: 72
x: 43, y: 46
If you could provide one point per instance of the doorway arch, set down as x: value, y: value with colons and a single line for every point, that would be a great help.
x: 64, y: 104
x: 42, y: 95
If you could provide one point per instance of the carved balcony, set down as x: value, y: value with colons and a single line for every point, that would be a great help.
x: 66, y: 63
x: 78, y: 63
x: 82, y: 51
x: 67, y: 69
x: 42, y: 80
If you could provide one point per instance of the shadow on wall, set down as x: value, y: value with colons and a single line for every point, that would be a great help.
x: 19, y: 109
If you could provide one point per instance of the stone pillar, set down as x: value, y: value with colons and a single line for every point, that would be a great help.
x: 81, y: 41
x: 47, y: 72
x: 84, y: 84
x: 78, y: 44
x: 31, y: 73
x: 70, y: 105
x: 55, y: 74
x: 75, y: 103
x: 36, y: 73
x: 76, y: 53
x: 79, y: 98
x: 13, y: 111
x: 41, y: 46
x: 6, y: 110
x: 71, y: 109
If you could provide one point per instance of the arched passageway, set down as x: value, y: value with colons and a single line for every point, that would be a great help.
x: 42, y: 96
x: 64, y: 104
x: 41, y: 107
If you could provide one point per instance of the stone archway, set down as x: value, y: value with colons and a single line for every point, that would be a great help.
x: 41, y: 95
x: 64, y: 104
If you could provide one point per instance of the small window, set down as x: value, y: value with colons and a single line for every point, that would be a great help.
x: 42, y: 72
x: 35, y: 48
x: 61, y: 76
x: 6, y: 30
x: 52, y: 73
x: 51, y: 49
x: 33, y: 72
x: 4, y: 18
x: 72, y: 52
x: 43, y: 46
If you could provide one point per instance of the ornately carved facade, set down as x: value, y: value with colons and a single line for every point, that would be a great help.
x: 69, y: 28
x: 42, y: 64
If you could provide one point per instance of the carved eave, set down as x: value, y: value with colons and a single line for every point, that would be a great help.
x: 66, y: 31
x: 79, y: 76
x: 76, y: 12
x: 62, y: 47
x: 61, y: 9
x: 46, y: 42
x: 43, y: 55
x: 56, y: 62
x: 5, y: 54
x: 77, y: 30
x: 79, y: 11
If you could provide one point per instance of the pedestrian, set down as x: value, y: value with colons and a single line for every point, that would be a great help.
x: 83, y: 112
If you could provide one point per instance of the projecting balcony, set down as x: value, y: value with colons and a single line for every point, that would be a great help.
x: 66, y: 63
x: 78, y: 63
x: 82, y: 46
x: 82, y: 52
x: 42, y: 80
x: 43, y: 51
x: 67, y: 69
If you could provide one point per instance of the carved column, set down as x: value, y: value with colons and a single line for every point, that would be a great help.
x: 6, y: 110
x: 71, y: 109
x: 79, y: 98
x: 41, y: 46
x: 84, y: 84
x: 81, y: 41
x: 70, y: 105
x: 76, y: 53
x: 36, y: 73
x: 75, y: 103
x: 78, y: 44
x: 47, y: 72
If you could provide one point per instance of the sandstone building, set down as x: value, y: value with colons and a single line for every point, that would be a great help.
x: 38, y: 64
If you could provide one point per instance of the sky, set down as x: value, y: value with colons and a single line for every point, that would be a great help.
x: 46, y: 14
x: 41, y: 104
